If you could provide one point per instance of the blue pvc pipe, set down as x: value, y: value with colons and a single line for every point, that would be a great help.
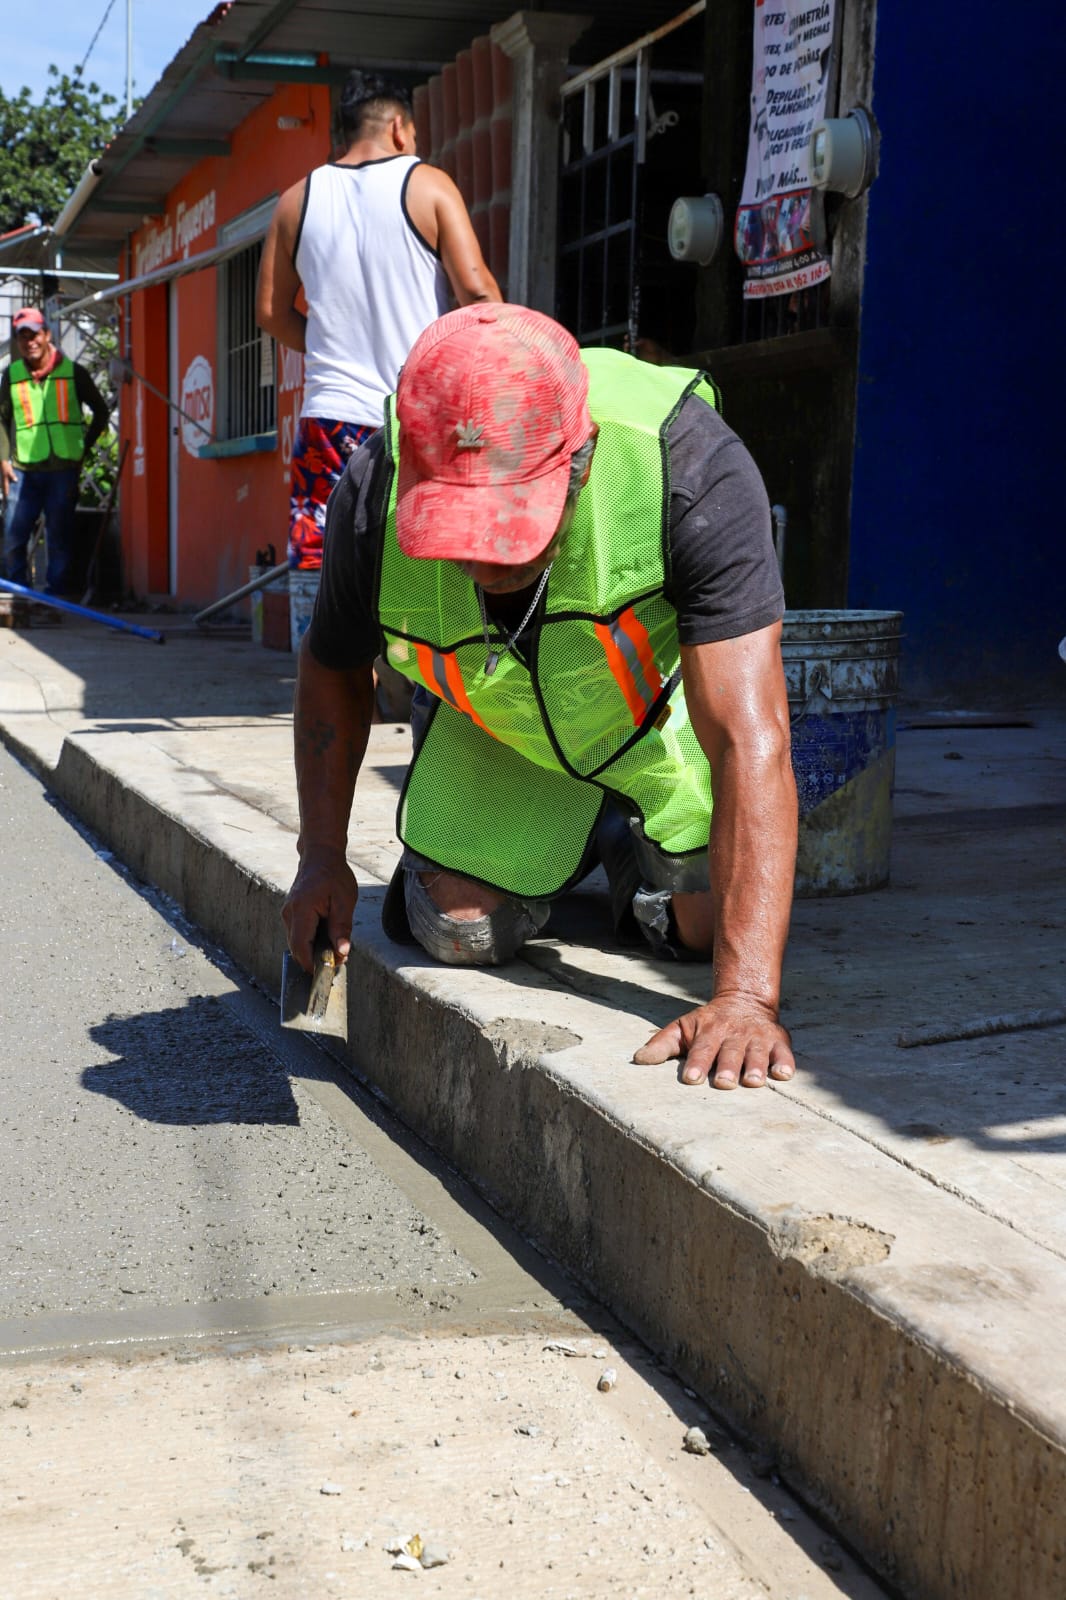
x: 81, y: 611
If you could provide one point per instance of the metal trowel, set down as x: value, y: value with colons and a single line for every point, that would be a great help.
x: 316, y: 1002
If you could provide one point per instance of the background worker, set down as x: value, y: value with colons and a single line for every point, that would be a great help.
x: 377, y: 242
x: 571, y: 553
x: 44, y: 441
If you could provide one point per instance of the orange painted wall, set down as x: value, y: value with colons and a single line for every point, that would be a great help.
x: 146, y: 420
x: 226, y: 509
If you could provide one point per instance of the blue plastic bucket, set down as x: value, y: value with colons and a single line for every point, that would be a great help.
x: 842, y: 673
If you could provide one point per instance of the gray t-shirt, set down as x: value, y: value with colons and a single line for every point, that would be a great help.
x: 722, y: 577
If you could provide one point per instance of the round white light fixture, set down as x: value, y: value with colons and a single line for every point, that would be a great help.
x: 696, y: 228
x: 842, y: 154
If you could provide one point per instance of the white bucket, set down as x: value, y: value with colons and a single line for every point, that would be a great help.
x: 303, y: 586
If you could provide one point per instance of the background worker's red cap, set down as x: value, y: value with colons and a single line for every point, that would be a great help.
x: 27, y: 317
x: 492, y: 402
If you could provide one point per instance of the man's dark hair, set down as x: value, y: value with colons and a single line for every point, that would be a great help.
x: 367, y: 99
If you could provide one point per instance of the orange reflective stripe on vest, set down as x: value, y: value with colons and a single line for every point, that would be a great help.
x: 63, y: 399
x: 629, y: 655
x: 22, y: 390
x: 441, y: 676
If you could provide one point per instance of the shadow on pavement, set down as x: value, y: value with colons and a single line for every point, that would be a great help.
x: 188, y: 1065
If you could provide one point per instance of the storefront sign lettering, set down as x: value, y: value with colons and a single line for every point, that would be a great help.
x: 192, y: 221
x: 171, y: 237
x: 290, y: 384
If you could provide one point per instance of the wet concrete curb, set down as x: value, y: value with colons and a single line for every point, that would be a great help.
x: 846, y: 1330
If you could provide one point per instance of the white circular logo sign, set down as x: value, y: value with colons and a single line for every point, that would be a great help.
x: 197, y: 405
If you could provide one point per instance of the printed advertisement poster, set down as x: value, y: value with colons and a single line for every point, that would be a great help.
x: 790, y: 75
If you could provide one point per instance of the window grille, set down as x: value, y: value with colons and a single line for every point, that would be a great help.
x: 607, y: 118
x: 247, y: 363
x: 774, y: 316
x: 247, y: 390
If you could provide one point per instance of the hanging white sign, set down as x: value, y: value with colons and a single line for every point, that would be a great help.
x: 197, y: 405
x: 792, y: 58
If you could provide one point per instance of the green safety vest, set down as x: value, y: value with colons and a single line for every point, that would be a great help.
x: 48, y: 415
x: 510, y: 778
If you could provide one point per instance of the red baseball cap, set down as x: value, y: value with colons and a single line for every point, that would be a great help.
x: 27, y: 317
x: 492, y: 403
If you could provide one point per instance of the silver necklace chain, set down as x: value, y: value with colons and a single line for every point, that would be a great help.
x: 505, y: 642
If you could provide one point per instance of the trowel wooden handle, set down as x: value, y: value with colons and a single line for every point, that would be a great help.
x: 324, y: 972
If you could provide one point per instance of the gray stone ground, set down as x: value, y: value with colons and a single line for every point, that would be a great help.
x: 144, y: 1125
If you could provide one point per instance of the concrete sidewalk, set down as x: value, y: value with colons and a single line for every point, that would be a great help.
x: 863, y: 1269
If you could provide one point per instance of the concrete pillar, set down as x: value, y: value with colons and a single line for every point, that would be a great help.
x: 538, y: 43
x: 431, y: 149
x: 450, y: 96
x: 500, y: 141
x: 480, y: 146
x: 423, y: 118
x: 464, y: 150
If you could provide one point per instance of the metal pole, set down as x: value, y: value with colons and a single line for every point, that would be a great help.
x: 59, y: 271
x: 129, y: 59
x: 238, y: 594
x: 80, y: 611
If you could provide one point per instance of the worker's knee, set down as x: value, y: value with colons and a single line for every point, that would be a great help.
x: 688, y: 936
x: 668, y: 899
x: 484, y: 941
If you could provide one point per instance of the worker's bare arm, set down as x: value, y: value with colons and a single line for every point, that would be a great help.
x: 331, y: 725
x: 279, y: 282
x: 737, y: 700
x: 439, y: 213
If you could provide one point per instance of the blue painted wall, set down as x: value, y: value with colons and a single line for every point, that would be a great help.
x: 959, y: 483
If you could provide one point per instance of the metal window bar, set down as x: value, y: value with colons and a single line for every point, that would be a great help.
x: 602, y: 182
x: 777, y: 316
x: 599, y: 262
x: 247, y: 353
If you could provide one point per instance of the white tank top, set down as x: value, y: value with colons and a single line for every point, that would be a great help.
x: 372, y: 284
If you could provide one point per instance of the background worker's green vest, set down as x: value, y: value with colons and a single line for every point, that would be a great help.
x: 511, y: 775
x: 48, y: 415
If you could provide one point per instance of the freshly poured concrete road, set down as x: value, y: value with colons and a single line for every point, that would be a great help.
x: 865, y: 1268
x: 190, y: 1201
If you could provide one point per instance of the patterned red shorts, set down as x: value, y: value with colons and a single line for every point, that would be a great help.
x: 319, y: 457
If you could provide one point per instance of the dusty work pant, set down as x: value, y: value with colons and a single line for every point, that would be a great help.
x: 55, y: 494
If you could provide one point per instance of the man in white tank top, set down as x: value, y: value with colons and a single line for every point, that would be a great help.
x: 377, y: 242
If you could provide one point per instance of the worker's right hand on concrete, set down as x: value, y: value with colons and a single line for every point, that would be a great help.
x: 729, y: 1041
x: 324, y: 886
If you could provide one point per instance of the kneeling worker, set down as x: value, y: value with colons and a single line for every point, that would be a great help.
x: 569, y: 555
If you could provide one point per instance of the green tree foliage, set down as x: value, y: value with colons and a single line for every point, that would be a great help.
x: 46, y: 144
x: 98, y: 473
